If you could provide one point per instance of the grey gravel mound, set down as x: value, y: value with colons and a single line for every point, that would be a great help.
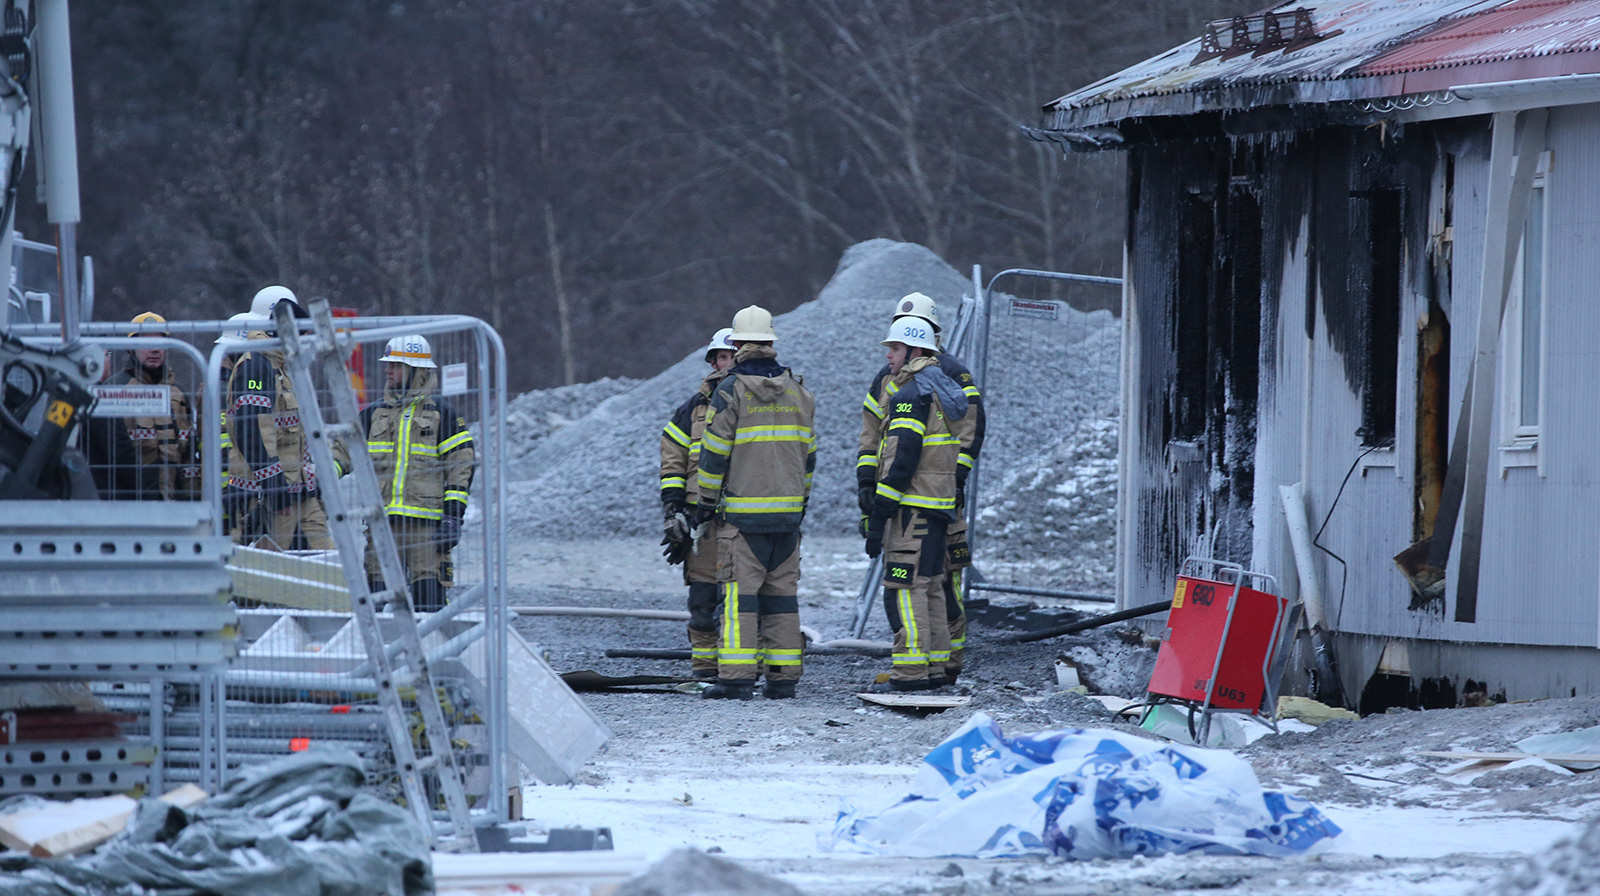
x: 1052, y: 401
x: 690, y: 872
x: 1566, y: 869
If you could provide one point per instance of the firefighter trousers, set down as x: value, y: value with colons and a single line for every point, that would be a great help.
x: 426, y: 560
x: 700, y: 574
x: 958, y: 556
x: 913, y: 595
x: 759, y: 578
x: 306, y: 516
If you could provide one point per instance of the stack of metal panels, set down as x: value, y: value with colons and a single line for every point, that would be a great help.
x: 92, y: 589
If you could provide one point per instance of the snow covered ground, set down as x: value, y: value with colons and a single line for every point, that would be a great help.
x: 760, y: 781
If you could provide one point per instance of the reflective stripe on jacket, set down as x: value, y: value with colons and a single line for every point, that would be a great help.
x: 758, y: 449
x: 165, y: 443
x: 919, y: 454
x: 421, y: 449
x: 680, y: 444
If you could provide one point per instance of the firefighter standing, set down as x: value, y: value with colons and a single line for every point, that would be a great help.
x: 757, y: 456
x: 423, y: 454
x: 265, y: 432
x: 914, y: 501
x: 680, y: 501
x: 163, y: 446
x: 969, y: 429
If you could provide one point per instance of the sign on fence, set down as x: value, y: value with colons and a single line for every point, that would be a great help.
x: 1040, y: 310
x: 132, y: 401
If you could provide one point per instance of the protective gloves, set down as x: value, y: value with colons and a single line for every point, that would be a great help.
x: 872, y: 527
x: 449, y: 532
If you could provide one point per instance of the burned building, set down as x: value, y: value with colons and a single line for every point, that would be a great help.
x: 1362, y: 255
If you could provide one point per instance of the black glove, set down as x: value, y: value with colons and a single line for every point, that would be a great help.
x: 865, y: 492
x: 449, y: 532
x: 705, y: 514
x: 873, y: 529
x: 961, y: 486
x: 672, y: 505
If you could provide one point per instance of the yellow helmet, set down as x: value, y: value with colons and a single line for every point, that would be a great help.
x: 753, y: 324
x: 149, y: 317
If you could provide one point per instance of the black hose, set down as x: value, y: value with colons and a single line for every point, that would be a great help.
x: 1086, y: 624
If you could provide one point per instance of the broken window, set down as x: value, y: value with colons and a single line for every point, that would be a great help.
x: 1382, y: 341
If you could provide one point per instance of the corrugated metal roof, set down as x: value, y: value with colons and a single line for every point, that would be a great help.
x: 1373, y: 46
x: 1517, y: 30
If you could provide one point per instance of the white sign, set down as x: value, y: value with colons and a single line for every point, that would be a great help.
x: 1041, y: 310
x: 132, y: 401
x: 453, y: 379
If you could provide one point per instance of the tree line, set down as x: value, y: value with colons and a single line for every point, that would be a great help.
x: 605, y: 182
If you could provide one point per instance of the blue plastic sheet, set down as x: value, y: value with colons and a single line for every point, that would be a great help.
x: 1081, y: 794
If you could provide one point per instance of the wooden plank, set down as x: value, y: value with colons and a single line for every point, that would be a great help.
x: 915, y: 701
x: 1580, y: 762
x: 68, y: 828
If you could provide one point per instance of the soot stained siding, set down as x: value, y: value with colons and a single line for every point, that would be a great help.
x: 1196, y: 251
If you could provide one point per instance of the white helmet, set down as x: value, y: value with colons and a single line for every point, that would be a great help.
x: 246, y: 322
x: 753, y: 324
x: 411, y: 350
x: 913, y: 331
x: 719, y: 343
x: 918, y: 305
x: 261, y: 305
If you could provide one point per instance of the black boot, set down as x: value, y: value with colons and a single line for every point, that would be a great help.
x: 427, y: 595
x: 915, y: 684
x: 731, y: 689
x: 705, y: 673
x: 778, y: 690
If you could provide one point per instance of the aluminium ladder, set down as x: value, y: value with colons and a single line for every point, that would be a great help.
x: 301, y: 355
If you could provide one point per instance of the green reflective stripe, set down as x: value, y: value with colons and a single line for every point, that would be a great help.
x: 397, y: 486
x: 729, y: 642
x: 716, y: 444
x: 867, y: 460
x: 673, y: 482
x: 909, y: 659
x: 929, y: 503
x: 455, y: 441
x: 908, y: 423
x: 421, y: 513
x: 709, y: 480
x: 958, y: 643
x: 939, y: 656
x: 908, y: 621
x: 729, y: 658
x: 783, y: 657
x: 747, y: 434
x: 776, y: 504
x: 971, y: 391
x: 425, y: 450
x: 676, y: 434
x: 694, y: 453
x: 455, y: 494
x: 703, y: 653
x: 380, y: 447
x: 890, y: 388
x: 891, y: 493
x: 965, y: 460
x: 933, y: 441
x: 873, y: 407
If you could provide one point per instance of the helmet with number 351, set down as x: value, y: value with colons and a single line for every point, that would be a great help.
x: 410, y: 350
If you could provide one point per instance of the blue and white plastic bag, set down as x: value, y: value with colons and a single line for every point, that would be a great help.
x: 1081, y: 794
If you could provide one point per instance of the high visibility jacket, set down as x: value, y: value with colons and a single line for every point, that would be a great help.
x: 264, y: 423
x: 920, y: 452
x: 969, y: 428
x: 758, y: 449
x: 421, y: 449
x: 165, y: 443
x: 680, y: 444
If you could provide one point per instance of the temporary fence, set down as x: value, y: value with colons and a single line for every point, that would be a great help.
x: 1027, y: 349
x: 302, y: 678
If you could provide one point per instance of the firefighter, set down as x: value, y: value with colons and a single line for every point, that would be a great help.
x: 164, y: 446
x: 264, y: 429
x: 234, y: 499
x: 423, y: 454
x: 680, y: 502
x: 757, y: 455
x: 914, y: 501
x: 969, y: 429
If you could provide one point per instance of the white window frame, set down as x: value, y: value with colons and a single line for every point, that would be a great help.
x: 1519, y: 442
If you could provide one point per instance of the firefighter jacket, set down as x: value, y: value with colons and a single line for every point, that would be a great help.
x: 680, y: 445
x: 165, y: 445
x: 758, y: 449
x: 969, y: 428
x: 421, y: 449
x: 920, y: 452
x: 264, y: 425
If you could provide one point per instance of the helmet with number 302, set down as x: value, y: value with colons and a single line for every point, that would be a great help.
x: 410, y: 350
x: 913, y: 331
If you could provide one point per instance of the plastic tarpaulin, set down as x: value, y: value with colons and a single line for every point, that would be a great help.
x: 299, y: 825
x: 1081, y: 794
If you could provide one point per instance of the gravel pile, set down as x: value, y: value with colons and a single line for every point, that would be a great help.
x: 1050, y: 450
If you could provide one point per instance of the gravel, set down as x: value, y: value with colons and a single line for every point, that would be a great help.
x: 584, y: 458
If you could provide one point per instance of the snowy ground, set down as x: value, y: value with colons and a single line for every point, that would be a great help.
x: 759, y: 781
